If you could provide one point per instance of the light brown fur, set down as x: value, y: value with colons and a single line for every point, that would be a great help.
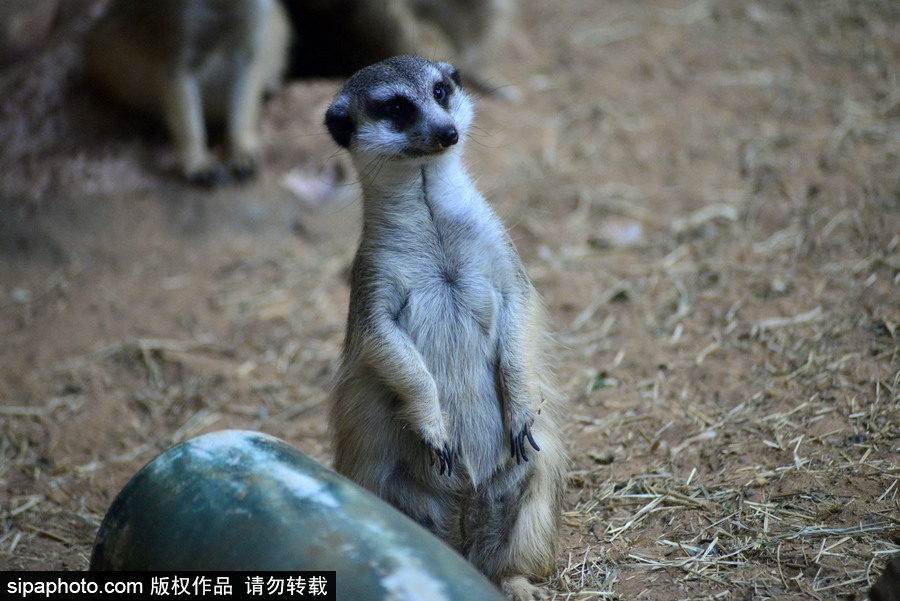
x: 189, y: 62
x: 444, y: 396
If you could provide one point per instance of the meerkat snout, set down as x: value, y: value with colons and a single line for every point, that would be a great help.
x: 448, y: 137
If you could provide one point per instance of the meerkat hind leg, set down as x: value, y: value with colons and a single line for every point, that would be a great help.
x: 530, y: 549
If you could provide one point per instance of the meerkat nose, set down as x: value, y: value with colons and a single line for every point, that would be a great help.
x: 448, y: 137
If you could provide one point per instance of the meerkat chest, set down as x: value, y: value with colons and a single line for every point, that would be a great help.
x: 455, y: 288
x: 446, y: 260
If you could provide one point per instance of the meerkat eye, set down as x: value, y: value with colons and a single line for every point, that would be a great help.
x: 441, y: 93
x: 396, y: 109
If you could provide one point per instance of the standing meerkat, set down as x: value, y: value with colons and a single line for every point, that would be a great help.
x: 443, y: 403
x: 189, y: 62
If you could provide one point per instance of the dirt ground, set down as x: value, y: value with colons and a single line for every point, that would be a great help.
x: 706, y: 193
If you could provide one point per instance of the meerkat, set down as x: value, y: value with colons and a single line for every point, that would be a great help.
x: 469, y: 33
x: 443, y: 403
x: 476, y: 30
x: 193, y: 62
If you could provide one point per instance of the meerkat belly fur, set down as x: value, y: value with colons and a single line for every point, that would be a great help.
x: 443, y: 403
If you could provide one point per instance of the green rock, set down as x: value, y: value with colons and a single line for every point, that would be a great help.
x: 245, y: 501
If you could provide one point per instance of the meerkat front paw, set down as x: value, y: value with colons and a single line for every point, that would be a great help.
x: 519, y: 433
x: 428, y: 419
x: 520, y: 419
x: 443, y: 454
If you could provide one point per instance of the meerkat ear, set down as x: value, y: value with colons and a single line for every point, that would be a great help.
x: 451, y: 72
x: 454, y: 75
x: 339, y: 122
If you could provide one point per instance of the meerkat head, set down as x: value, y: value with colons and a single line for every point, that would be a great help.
x: 405, y: 107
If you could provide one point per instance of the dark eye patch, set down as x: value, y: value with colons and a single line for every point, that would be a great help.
x: 397, y: 109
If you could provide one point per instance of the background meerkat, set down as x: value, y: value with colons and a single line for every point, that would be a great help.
x: 193, y: 61
x: 443, y: 404
x: 467, y: 32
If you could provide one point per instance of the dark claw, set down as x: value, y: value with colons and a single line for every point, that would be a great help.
x: 522, y: 445
x: 531, y: 440
x: 449, y: 455
x: 517, y: 444
x: 445, y: 457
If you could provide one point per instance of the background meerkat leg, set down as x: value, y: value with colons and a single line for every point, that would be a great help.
x: 477, y: 30
x: 183, y: 112
x: 243, y: 117
x: 257, y: 69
